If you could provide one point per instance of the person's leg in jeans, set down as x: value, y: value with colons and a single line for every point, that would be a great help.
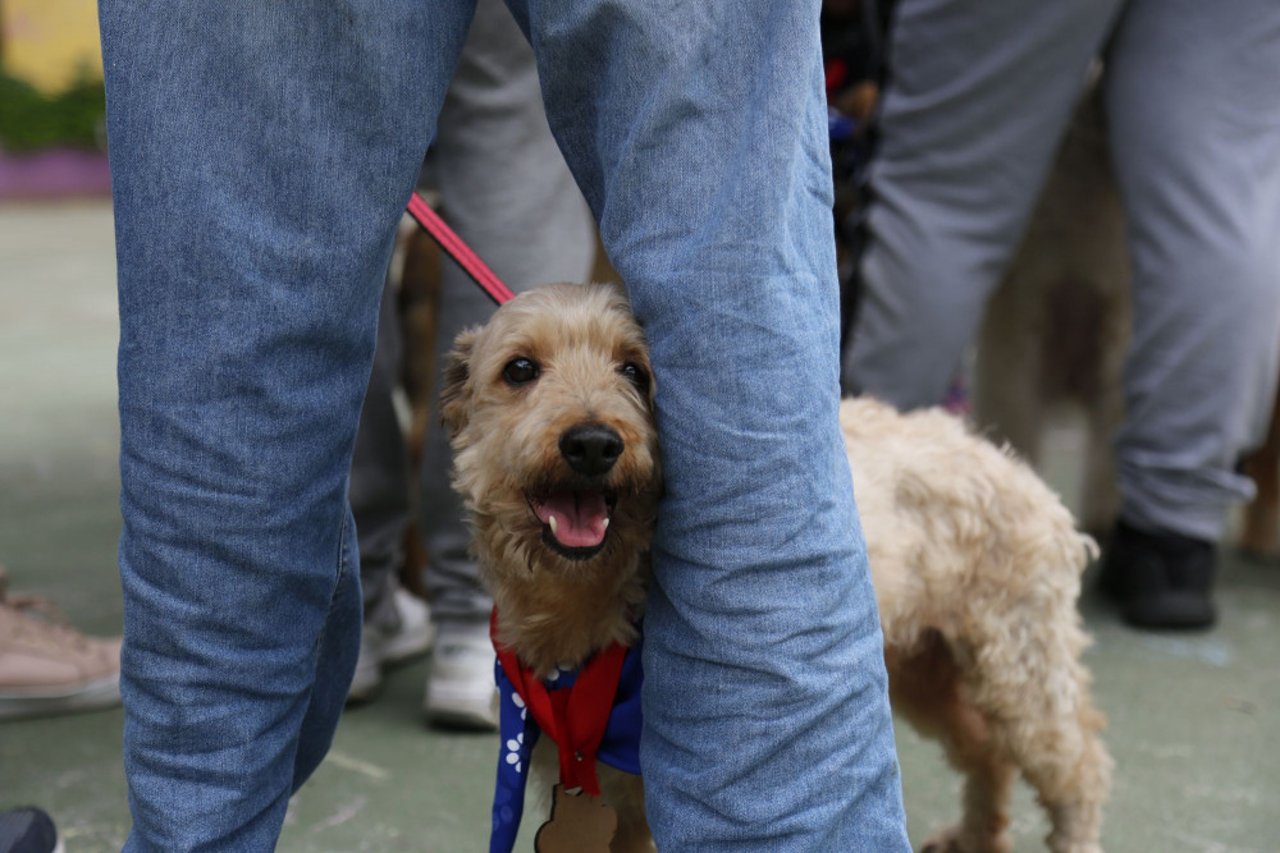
x: 507, y: 191
x: 396, y: 624
x: 978, y: 96
x: 698, y: 134
x: 261, y: 156
x: 1195, y: 136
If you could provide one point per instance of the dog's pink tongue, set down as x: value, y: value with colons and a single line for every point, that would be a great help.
x: 580, y: 518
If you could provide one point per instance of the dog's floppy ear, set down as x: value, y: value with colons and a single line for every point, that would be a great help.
x: 453, y: 385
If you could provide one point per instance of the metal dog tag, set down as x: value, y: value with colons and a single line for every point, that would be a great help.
x: 578, y: 824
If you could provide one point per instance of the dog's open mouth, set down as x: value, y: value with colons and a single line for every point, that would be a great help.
x: 574, y: 523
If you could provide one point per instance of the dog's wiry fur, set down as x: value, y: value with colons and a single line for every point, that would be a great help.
x: 506, y: 448
x: 975, y: 561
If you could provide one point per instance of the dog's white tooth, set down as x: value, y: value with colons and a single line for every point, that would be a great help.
x: 551, y: 522
x: 606, y: 522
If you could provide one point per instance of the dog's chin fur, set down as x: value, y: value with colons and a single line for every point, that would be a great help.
x: 555, y: 608
x: 976, y: 563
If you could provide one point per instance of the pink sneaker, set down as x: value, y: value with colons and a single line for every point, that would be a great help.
x: 48, y: 667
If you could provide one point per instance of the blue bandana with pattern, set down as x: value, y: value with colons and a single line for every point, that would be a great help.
x: 620, y: 747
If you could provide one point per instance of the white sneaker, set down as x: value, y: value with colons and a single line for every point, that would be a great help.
x: 460, y: 690
x: 380, y: 647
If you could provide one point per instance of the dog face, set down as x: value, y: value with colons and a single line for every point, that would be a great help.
x: 549, y: 408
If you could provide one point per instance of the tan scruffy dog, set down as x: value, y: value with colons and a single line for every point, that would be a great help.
x: 976, y: 563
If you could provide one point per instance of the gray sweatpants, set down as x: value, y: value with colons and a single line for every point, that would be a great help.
x: 379, y: 486
x: 979, y: 95
x: 507, y: 191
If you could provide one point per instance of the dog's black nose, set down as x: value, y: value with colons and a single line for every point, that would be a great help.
x: 591, y: 449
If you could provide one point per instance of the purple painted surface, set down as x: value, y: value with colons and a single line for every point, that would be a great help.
x: 55, y: 173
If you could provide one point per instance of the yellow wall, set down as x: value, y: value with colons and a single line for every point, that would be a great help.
x: 47, y: 41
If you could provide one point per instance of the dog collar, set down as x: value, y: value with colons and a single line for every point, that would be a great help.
x: 592, y: 713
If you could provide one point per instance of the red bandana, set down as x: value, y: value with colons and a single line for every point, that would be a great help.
x: 575, y: 717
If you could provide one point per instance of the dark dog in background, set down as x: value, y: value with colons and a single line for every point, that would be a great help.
x: 1057, y: 326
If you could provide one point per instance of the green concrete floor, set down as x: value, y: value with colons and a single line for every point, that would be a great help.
x: 1194, y: 720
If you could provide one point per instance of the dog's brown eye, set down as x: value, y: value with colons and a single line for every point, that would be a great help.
x: 520, y: 371
x: 636, y: 375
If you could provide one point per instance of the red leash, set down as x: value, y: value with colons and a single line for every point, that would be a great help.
x: 458, y: 250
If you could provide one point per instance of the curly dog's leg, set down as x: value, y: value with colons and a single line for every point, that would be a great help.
x: 1034, y: 693
x: 926, y: 691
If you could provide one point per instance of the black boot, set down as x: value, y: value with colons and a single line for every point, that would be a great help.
x: 1160, y: 580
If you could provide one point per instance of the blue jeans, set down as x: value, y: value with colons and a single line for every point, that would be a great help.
x: 261, y: 155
